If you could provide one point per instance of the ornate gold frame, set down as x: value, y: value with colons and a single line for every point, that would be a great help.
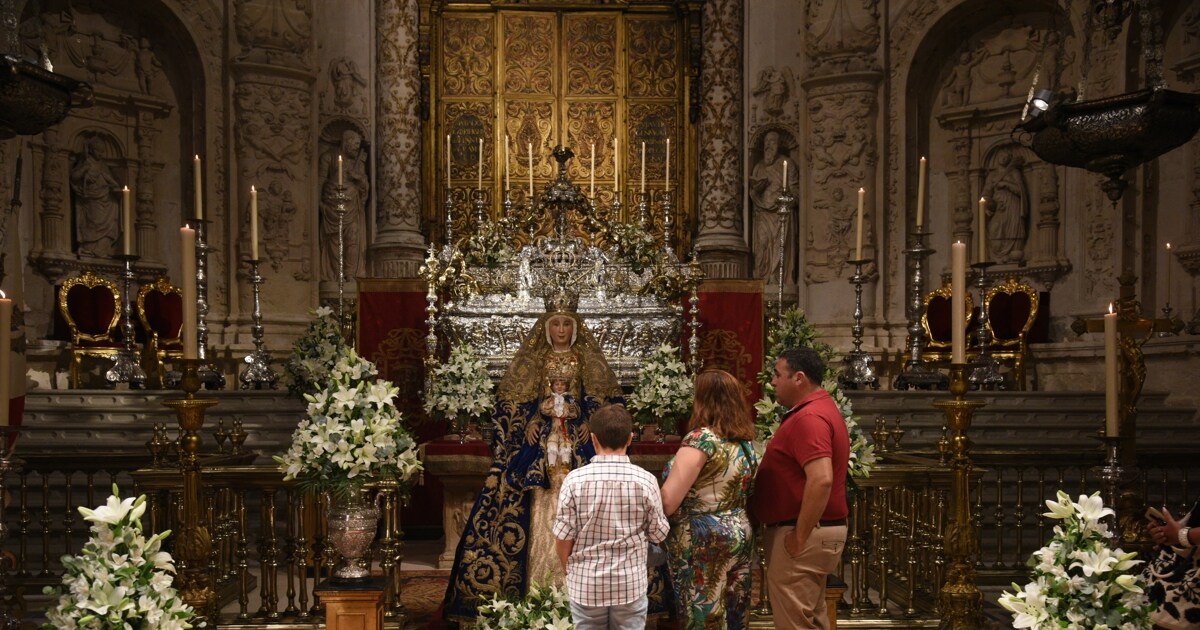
x: 154, y: 354
x: 1016, y: 348
x: 937, y: 350
x: 90, y: 280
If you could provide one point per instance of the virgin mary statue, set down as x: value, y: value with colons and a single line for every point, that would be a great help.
x: 556, y: 380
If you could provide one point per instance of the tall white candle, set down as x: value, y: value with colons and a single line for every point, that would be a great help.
x: 6, y: 307
x: 958, y: 302
x: 1112, y: 390
x: 616, y: 165
x: 785, y: 176
x: 127, y: 223
x: 592, y: 174
x: 447, y: 163
x: 187, y: 250
x: 858, y: 240
x: 253, y: 224
x: 921, y: 195
x: 507, y: 183
x: 983, y: 256
x: 643, y: 188
x: 341, y: 173
x: 1168, y: 289
x: 530, y: 147
x: 479, y: 175
x: 667, y: 169
x: 199, y: 187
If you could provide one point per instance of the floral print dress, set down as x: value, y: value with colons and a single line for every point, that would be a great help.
x: 710, y: 543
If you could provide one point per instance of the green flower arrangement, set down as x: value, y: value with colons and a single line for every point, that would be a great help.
x: 121, y: 579
x: 1078, y: 582
x: 792, y: 330
x: 544, y: 608
x: 314, y: 353
x: 354, y: 434
x: 664, y: 390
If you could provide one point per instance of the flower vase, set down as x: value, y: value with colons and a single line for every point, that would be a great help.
x: 352, y: 523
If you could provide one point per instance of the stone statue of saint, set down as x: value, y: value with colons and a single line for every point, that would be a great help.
x: 354, y: 228
x: 766, y: 184
x: 1007, y: 209
x: 95, y: 196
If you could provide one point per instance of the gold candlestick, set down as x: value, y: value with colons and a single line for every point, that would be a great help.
x: 193, y: 545
x: 961, y: 601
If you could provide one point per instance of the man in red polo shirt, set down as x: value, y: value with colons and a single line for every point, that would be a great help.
x: 800, y: 492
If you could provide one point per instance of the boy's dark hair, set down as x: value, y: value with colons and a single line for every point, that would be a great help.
x: 805, y: 360
x: 612, y: 426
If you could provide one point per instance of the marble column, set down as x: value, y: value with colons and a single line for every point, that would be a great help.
x: 399, y: 245
x: 720, y: 241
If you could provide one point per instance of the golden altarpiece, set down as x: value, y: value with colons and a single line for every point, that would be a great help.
x: 547, y: 74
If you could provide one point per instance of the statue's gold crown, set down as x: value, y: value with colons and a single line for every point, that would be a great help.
x: 560, y: 371
x: 562, y: 301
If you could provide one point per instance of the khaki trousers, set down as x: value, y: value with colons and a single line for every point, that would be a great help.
x: 797, y: 583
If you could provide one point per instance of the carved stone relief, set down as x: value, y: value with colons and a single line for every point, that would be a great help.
x: 842, y: 36
x: 274, y: 31
x: 349, y: 144
x: 272, y: 131
x: 773, y: 151
x: 1007, y: 190
x: 773, y: 94
x: 96, y: 196
x: 346, y: 94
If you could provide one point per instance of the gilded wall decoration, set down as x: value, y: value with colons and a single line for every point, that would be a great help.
x: 283, y: 25
x: 272, y: 131
x: 591, y: 55
x: 591, y: 123
x: 467, y: 51
x: 720, y: 125
x: 467, y: 123
x: 529, y: 53
x: 531, y: 122
x: 652, y: 123
x: 653, y: 57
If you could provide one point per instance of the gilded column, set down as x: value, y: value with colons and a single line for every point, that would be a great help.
x: 398, y: 248
x: 720, y: 241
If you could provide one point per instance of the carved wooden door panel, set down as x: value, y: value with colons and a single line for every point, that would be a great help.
x: 579, y: 78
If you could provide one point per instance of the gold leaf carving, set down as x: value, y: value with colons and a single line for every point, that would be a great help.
x: 591, y: 122
x: 591, y: 55
x: 467, y: 56
x: 467, y: 123
x: 531, y: 122
x: 653, y: 58
x: 652, y: 123
x: 528, y: 54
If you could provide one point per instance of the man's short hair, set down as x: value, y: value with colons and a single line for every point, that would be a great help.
x: 612, y: 425
x: 805, y: 360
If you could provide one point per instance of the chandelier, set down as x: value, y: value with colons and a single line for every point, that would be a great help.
x: 32, y: 96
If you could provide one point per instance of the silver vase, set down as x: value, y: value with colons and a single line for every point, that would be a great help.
x: 352, y: 522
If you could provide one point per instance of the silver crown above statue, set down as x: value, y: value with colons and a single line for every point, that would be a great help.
x: 561, y: 300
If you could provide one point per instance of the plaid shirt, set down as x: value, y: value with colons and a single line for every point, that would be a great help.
x: 612, y: 509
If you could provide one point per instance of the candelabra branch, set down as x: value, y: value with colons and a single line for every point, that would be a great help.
x: 258, y: 372
x: 985, y: 369
x: 208, y: 374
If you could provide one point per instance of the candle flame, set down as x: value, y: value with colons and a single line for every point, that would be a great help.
x: 1168, y: 247
x: 126, y: 189
x: 1110, y: 307
x: 252, y: 188
x: 3, y: 295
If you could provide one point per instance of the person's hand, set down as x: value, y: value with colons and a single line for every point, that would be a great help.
x: 1166, y: 533
x: 533, y: 432
x: 794, y: 542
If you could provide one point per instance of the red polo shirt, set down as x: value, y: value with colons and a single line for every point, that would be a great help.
x: 814, y: 428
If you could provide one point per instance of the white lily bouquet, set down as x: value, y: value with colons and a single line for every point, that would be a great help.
x: 794, y: 331
x: 460, y: 389
x: 120, y: 579
x: 664, y: 390
x: 544, y: 608
x: 1078, y: 582
x: 314, y: 353
x: 353, y: 433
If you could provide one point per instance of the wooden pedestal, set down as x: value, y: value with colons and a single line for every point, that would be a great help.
x: 353, y: 606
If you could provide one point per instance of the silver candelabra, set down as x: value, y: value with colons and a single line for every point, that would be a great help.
x: 985, y: 369
x: 258, y: 373
x: 784, y: 210
x: 915, y: 373
x: 126, y: 367
x: 210, y: 377
x: 858, y: 367
x: 341, y: 214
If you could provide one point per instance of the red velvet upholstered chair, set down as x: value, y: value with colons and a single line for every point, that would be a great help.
x: 937, y: 324
x: 90, y: 305
x: 160, y: 309
x: 1012, y: 309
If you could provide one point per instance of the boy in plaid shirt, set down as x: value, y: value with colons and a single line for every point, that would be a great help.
x: 608, y: 512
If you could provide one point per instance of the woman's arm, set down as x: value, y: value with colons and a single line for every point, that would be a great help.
x: 688, y: 463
